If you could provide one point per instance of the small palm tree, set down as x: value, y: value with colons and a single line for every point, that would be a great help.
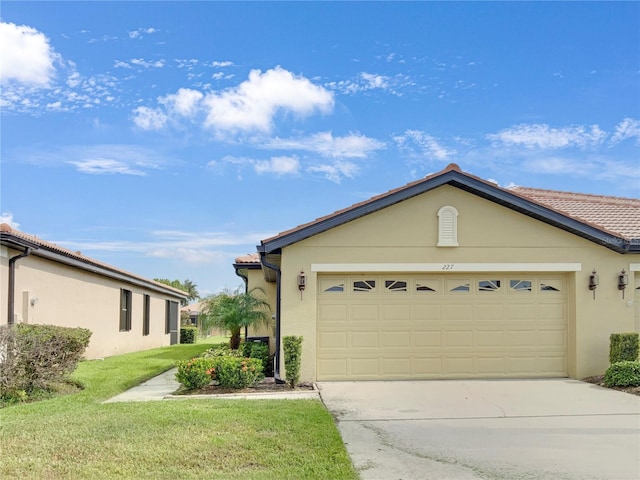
x: 232, y: 311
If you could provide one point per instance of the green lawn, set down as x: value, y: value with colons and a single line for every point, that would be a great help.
x: 78, y: 437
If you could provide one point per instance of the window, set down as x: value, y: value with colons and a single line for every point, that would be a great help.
x: 167, y: 317
x: 146, y: 306
x: 364, y: 285
x: 447, y: 227
x: 395, y: 285
x: 427, y: 286
x: 339, y: 287
x: 458, y: 286
x: 488, y: 285
x: 125, y: 310
x: 548, y: 288
x: 520, y: 285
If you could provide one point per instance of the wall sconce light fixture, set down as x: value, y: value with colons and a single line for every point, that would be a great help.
x: 623, y: 281
x: 302, y: 282
x: 594, y: 281
x: 34, y: 300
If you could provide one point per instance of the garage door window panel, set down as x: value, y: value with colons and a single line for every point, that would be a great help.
x: 427, y: 286
x: 332, y: 285
x: 489, y: 286
x: 395, y: 286
x: 364, y: 286
x: 458, y: 286
x: 520, y: 286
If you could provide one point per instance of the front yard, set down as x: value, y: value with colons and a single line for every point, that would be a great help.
x: 79, y: 437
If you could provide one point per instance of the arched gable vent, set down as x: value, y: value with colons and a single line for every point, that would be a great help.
x: 447, y: 227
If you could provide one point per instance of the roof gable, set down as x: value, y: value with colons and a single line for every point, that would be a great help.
x: 619, y: 234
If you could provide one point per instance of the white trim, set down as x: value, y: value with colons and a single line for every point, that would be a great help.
x: 634, y: 267
x: 447, y: 267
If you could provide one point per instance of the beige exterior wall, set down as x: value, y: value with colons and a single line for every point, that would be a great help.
x: 70, y: 297
x: 407, y: 233
x: 256, y: 280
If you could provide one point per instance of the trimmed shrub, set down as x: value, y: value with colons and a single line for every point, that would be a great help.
x: 188, y: 334
x: 260, y: 351
x: 233, y: 372
x: 624, y: 347
x: 33, y: 358
x: 292, y: 353
x: 623, y: 374
x: 195, y: 373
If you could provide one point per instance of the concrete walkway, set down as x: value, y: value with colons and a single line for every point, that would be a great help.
x: 164, y: 385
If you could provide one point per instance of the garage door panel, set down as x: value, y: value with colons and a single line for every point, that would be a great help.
x: 364, y: 339
x: 490, y: 313
x: 462, y: 338
x: 365, y: 367
x: 398, y: 367
x: 396, y: 339
x: 363, y: 313
x: 426, y: 338
x: 488, y: 325
x: 427, y: 313
x: 332, y: 340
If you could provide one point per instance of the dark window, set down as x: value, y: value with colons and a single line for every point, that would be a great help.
x: 364, y: 285
x: 145, y: 315
x: 125, y: 310
x: 339, y: 287
x: 520, y: 285
x: 463, y: 287
x: 488, y: 285
x: 167, y: 317
x: 395, y: 285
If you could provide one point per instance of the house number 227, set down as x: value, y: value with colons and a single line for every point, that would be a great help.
x: 448, y: 266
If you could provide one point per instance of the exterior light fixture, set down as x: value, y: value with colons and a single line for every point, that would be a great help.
x: 594, y: 281
x: 302, y: 282
x: 623, y: 281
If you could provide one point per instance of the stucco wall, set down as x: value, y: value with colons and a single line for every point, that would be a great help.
x: 487, y: 233
x: 71, y: 297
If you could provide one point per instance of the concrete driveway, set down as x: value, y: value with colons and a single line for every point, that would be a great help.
x: 487, y: 429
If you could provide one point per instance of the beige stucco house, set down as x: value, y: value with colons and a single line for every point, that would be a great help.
x: 44, y: 283
x: 452, y: 276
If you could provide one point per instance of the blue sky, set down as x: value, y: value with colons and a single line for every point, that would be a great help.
x: 168, y: 138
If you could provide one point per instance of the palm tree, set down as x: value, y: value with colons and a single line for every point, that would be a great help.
x: 232, y: 311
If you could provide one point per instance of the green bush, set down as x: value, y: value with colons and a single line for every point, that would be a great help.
x: 623, y: 374
x: 234, y: 372
x: 195, y: 373
x: 223, y: 351
x: 260, y: 351
x: 36, y: 358
x: 624, y: 347
x: 292, y: 353
x: 188, y: 334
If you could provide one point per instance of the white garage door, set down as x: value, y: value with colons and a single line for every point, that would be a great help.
x: 395, y: 326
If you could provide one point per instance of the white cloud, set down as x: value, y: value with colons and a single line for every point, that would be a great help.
x: 542, y: 136
x: 374, y: 81
x: 253, y: 104
x: 141, y: 62
x: 336, y: 171
x: 627, y: 128
x: 278, y: 166
x: 139, y: 32
x: 185, y: 101
x: 102, y: 166
x: 26, y: 56
x: 222, y: 64
x: 7, y: 217
x: 149, y: 118
x: 350, y: 146
x: 420, y: 144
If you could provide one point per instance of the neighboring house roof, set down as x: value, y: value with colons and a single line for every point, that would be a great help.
x: 609, y: 221
x: 15, y: 239
x: 194, y: 308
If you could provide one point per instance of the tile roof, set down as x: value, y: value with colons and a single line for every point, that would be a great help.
x: 620, y: 216
x: 249, y: 258
x: 582, y: 214
x: 8, y: 232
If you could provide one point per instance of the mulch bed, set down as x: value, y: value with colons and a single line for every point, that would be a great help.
x: 265, y: 386
x: 599, y: 380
